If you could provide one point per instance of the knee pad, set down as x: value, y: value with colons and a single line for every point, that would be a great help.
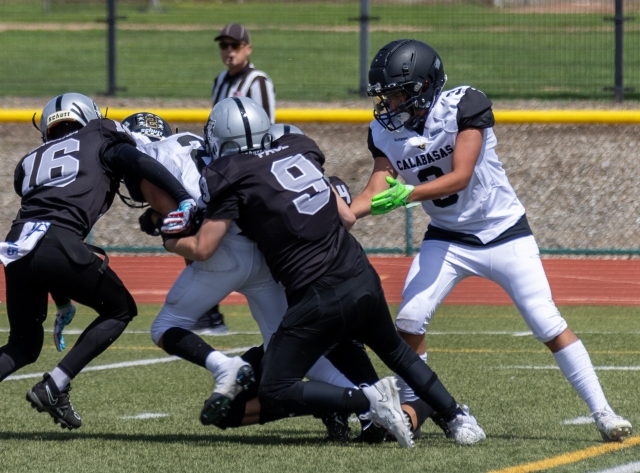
x: 544, y: 320
x: 413, y: 318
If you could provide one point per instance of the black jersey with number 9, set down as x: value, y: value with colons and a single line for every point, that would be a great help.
x: 283, y: 201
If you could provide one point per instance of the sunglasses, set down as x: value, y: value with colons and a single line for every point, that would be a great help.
x: 235, y: 46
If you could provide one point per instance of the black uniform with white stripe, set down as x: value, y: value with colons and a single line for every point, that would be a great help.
x: 282, y: 200
x: 69, y: 183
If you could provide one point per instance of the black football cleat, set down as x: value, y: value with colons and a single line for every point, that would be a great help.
x: 58, y: 406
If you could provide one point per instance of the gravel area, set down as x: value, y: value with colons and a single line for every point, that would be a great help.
x: 578, y: 183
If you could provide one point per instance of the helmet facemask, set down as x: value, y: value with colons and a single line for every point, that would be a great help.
x: 405, y: 80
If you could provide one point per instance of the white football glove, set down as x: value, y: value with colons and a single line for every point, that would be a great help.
x: 179, y: 220
x: 64, y: 316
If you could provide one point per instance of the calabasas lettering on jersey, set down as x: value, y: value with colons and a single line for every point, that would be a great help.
x: 283, y: 202
x: 65, y: 182
x: 487, y: 206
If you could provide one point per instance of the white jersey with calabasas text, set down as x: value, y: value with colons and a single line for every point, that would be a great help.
x: 487, y: 206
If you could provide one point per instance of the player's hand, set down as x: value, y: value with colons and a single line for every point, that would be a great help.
x: 392, y: 198
x: 64, y: 316
x: 179, y: 220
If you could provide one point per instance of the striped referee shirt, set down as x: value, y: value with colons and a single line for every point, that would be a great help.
x: 249, y: 82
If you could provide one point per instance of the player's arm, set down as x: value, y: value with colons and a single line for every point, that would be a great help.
x: 347, y: 216
x: 465, y: 156
x: 126, y: 158
x: 203, y: 244
x: 382, y: 168
x: 157, y: 199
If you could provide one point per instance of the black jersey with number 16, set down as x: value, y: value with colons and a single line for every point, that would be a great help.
x: 282, y: 200
x: 65, y: 181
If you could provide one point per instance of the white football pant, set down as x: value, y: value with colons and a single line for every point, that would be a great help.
x: 238, y: 266
x: 514, y: 265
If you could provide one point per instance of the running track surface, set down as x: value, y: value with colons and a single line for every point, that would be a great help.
x: 573, y: 281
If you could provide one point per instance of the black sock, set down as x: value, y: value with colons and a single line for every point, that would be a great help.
x: 430, y: 389
x: 187, y: 345
x: 423, y: 412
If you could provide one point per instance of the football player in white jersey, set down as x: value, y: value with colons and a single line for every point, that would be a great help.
x: 237, y: 266
x: 443, y: 145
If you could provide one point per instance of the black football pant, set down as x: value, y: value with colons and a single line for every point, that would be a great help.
x: 61, y: 263
x: 318, y: 319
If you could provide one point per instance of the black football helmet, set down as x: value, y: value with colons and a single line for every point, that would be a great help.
x: 410, y: 68
x: 147, y: 124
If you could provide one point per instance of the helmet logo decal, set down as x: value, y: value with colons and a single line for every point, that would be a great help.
x: 78, y: 111
x: 58, y: 116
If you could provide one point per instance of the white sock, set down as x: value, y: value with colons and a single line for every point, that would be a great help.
x: 59, y: 377
x: 406, y: 393
x: 575, y: 364
x: 323, y: 370
x: 215, y: 362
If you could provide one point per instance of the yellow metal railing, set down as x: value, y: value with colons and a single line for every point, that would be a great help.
x: 328, y: 115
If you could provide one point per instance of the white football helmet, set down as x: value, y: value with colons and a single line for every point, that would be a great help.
x: 280, y: 129
x: 236, y: 125
x: 70, y: 107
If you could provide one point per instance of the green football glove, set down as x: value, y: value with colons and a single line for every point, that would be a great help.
x: 392, y: 198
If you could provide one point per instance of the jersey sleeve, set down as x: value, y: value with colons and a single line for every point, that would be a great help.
x: 375, y: 151
x: 222, y: 202
x: 18, y: 177
x: 474, y: 111
x: 341, y: 188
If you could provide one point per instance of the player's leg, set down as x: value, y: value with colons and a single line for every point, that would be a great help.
x: 379, y: 334
x: 268, y: 304
x: 200, y: 286
x: 518, y: 269
x: 64, y: 264
x: 26, y: 310
x: 434, y: 272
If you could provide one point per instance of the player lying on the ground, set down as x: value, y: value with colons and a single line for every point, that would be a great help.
x: 280, y: 198
x: 66, y: 184
x: 443, y: 145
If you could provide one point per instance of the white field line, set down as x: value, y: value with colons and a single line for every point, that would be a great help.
x: 554, y: 367
x: 124, y: 364
x: 146, y: 415
x: 130, y: 332
x: 628, y: 468
x: 579, y: 421
x: 459, y: 332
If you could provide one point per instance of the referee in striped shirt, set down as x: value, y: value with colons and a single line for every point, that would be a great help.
x: 242, y: 79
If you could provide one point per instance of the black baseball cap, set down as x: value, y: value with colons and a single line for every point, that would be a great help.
x: 234, y: 31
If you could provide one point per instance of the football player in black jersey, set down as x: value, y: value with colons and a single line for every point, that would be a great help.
x: 280, y: 198
x: 66, y: 184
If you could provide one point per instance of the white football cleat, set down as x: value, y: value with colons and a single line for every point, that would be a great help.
x: 237, y: 376
x: 465, y: 428
x: 612, y: 427
x: 385, y: 410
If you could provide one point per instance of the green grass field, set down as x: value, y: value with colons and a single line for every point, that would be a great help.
x: 479, y: 353
x: 309, y: 49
